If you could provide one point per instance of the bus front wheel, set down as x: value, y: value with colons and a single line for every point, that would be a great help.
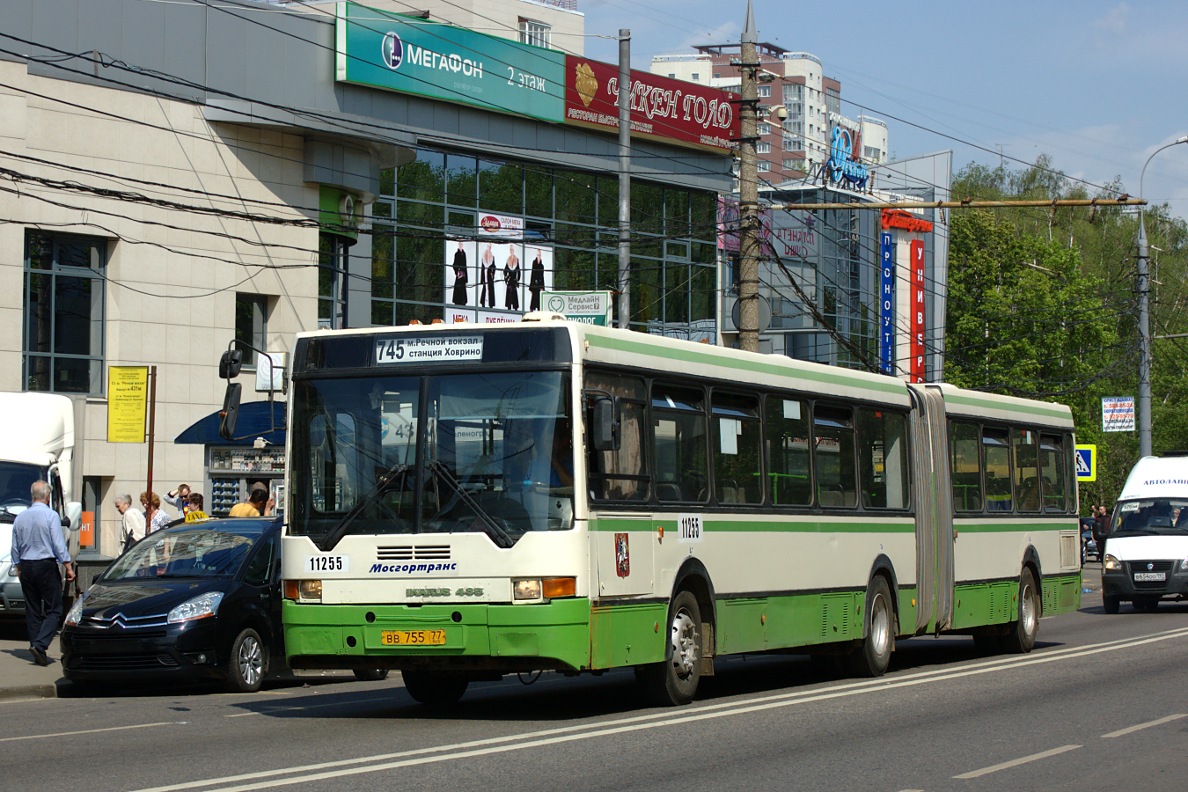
x: 874, y: 655
x: 436, y: 689
x: 1021, y: 638
x: 674, y: 681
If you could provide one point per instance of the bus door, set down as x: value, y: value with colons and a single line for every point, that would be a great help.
x: 934, y: 511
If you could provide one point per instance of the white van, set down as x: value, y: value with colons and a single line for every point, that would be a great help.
x: 1146, y: 551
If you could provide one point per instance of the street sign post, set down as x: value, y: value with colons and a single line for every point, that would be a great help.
x: 1086, y: 463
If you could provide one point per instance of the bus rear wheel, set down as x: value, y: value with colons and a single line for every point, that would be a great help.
x: 674, y: 681
x: 434, y: 688
x: 873, y: 657
x: 1021, y: 638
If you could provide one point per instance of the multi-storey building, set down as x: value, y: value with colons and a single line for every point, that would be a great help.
x: 794, y: 143
x: 186, y: 176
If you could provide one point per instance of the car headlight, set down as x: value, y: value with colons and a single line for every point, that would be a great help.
x: 74, y: 615
x: 1184, y: 565
x: 1111, y: 564
x: 201, y: 607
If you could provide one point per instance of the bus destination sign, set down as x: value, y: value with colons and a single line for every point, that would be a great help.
x: 394, y: 351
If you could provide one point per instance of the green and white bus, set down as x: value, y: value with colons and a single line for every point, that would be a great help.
x: 470, y: 501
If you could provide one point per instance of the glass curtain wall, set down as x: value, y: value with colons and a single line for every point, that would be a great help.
x: 441, y: 194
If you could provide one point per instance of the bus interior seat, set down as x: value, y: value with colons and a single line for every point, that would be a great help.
x: 668, y: 491
x: 830, y: 498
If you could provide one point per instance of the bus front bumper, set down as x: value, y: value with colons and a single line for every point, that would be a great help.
x: 472, y: 637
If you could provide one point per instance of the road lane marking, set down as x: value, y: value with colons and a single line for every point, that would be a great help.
x: 1141, y: 726
x: 1022, y: 760
x: 91, y: 731
x: 443, y: 753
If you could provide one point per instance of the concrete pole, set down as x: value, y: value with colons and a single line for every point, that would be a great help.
x: 1143, y: 287
x: 624, y: 312
x: 748, y: 192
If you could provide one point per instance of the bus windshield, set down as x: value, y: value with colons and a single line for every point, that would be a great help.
x: 478, y: 451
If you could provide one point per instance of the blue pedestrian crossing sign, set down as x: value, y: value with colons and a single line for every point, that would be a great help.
x: 1086, y: 463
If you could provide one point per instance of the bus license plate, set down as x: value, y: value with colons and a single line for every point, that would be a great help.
x: 1149, y: 577
x: 413, y: 637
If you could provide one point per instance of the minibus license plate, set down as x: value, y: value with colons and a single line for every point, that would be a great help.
x: 413, y: 637
x: 1147, y: 577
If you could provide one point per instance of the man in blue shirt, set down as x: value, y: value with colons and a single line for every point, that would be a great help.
x: 37, y: 549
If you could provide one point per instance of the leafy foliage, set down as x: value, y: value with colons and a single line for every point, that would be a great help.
x: 1042, y: 304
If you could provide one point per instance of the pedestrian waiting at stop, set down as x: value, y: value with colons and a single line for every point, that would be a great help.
x: 194, y: 511
x: 179, y: 499
x: 38, y: 546
x: 258, y: 504
x: 132, y: 523
x: 155, y: 517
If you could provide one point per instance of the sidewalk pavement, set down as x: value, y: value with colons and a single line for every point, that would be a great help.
x: 20, y: 677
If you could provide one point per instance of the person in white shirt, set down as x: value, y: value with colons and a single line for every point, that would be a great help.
x: 133, y: 520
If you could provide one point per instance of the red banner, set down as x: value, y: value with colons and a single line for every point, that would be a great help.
x: 661, y: 107
x: 917, y: 365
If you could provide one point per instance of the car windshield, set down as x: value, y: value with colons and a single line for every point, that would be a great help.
x: 1151, y: 516
x: 183, y: 552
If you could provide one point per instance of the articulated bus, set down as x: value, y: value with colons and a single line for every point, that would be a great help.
x: 470, y: 501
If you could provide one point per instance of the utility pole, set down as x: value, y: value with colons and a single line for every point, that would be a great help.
x: 748, y: 191
x: 1143, y: 287
x: 624, y: 312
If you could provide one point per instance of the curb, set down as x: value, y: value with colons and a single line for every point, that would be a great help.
x: 29, y: 691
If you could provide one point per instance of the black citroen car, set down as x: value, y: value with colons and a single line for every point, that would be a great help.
x: 196, y: 600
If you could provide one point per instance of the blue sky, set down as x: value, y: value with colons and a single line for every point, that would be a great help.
x: 1098, y: 86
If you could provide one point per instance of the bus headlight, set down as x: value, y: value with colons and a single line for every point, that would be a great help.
x: 544, y: 588
x: 303, y: 590
x: 1111, y: 564
x: 526, y: 589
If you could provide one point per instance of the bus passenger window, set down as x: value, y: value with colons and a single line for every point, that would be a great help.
x: 786, y: 447
x: 997, y: 455
x: 736, y: 439
x: 833, y: 456
x: 1054, y: 468
x: 1026, y: 461
x: 678, y: 443
x: 883, y: 459
x: 963, y: 461
x: 619, y: 475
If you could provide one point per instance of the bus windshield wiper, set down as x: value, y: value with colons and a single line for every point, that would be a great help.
x: 493, y: 529
x: 395, y: 473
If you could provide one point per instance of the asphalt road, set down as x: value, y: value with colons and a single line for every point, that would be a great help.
x: 1100, y: 704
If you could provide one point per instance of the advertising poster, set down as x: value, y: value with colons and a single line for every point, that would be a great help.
x: 459, y: 273
x: 886, y: 303
x: 496, y: 273
x: 127, y: 403
x: 917, y: 322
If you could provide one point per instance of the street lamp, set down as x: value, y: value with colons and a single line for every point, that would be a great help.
x: 1144, y: 316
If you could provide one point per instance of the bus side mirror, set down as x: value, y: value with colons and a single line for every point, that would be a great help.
x: 229, y: 415
x: 604, y: 425
x: 230, y: 363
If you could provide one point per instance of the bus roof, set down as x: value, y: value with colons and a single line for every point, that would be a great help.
x: 657, y: 353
